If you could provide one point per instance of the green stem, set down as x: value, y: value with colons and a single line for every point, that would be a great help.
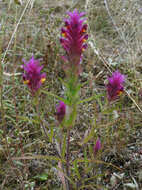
x: 37, y: 104
x: 68, y: 153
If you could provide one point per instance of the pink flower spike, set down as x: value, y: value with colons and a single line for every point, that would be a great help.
x: 97, y: 146
x: 74, y: 38
x: 61, y: 111
x: 115, y: 85
x: 32, y: 75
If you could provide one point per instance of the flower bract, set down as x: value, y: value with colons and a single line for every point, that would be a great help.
x: 74, y: 38
x: 61, y: 111
x: 97, y: 146
x: 32, y: 75
x: 115, y: 85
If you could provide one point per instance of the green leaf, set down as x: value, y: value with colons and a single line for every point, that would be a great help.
x: 91, y: 187
x: 24, y: 118
x: 95, y: 97
x: 18, y: 163
x: 76, y: 170
x: 41, y: 177
x: 55, y: 96
x: 51, y: 134
x: 71, y: 121
x: 72, y: 89
x: 85, y: 156
x: 18, y: 2
x: 87, y: 186
x: 110, y: 109
x: 55, y: 158
x: 90, y: 136
x: 83, y: 160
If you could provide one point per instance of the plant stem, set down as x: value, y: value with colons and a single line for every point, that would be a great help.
x: 68, y: 156
x: 68, y: 151
x: 39, y: 117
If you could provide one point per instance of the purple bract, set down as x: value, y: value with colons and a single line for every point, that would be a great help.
x: 97, y: 146
x: 115, y: 85
x: 61, y: 111
x: 33, y: 76
x: 73, y: 38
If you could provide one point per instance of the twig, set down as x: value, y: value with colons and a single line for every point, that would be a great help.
x: 13, y: 34
x: 115, y: 25
x: 133, y: 100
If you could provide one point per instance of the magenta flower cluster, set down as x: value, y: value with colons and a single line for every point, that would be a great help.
x: 73, y: 38
x: 61, y: 111
x: 115, y: 85
x: 97, y: 146
x: 33, y: 76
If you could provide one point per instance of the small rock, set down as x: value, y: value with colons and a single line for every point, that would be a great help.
x: 140, y: 175
x: 119, y: 176
x: 113, y: 180
x: 130, y: 185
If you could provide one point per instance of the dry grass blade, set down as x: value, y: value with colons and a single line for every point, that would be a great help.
x: 15, y: 30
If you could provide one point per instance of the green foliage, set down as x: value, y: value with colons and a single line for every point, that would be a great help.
x: 41, y: 177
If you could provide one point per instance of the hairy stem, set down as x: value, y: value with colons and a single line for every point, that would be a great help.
x: 68, y: 156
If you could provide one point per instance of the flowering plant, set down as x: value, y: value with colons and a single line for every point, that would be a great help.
x: 73, y: 39
x: 115, y: 85
x: 33, y: 76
